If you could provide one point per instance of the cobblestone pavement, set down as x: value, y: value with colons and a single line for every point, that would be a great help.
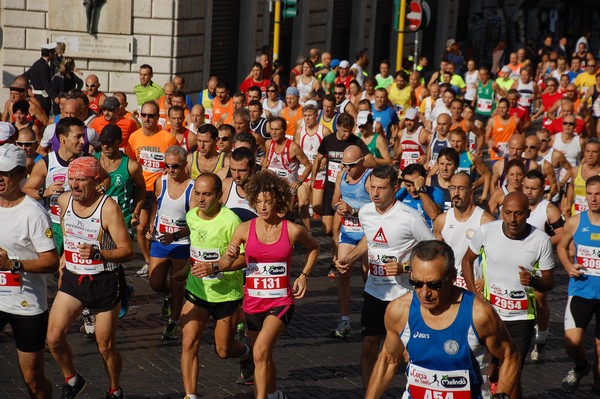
x: 309, y: 363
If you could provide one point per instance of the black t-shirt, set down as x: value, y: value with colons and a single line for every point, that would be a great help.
x: 333, y: 150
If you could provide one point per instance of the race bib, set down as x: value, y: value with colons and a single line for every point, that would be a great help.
x: 510, y: 304
x: 378, y: 271
x: 206, y: 255
x: 596, y: 107
x: 525, y: 99
x: 589, y: 258
x: 438, y: 384
x: 351, y: 224
x: 267, y: 280
x: 152, y: 162
x: 333, y: 168
x: 484, y: 105
x: 10, y: 283
x: 168, y: 224
x: 460, y: 282
x: 580, y: 204
x: 75, y: 263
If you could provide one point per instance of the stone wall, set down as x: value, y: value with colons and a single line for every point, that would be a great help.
x: 167, y: 34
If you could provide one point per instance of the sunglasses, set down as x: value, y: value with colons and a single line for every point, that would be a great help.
x: 92, y: 85
x: 592, y: 66
x: 223, y: 138
x: 544, y: 140
x: 338, y: 93
x: 432, y: 285
x: 568, y: 123
x: 351, y: 164
x: 530, y: 147
x: 173, y: 165
x: 147, y: 115
x: 25, y: 143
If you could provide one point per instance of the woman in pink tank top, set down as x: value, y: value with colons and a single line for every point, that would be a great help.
x: 268, y: 295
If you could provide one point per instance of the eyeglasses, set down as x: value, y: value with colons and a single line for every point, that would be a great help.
x: 531, y: 147
x: 92, y: 85
x: 462, y: 189
x: 223, y: 138
x: 147, y: 115
x: 25, y: 143
x: 545, y: 140
x: 351, y: 164
x: 173, y: 165
x: 338, y: 93
x: 568, y: 123
x: 432, y: 285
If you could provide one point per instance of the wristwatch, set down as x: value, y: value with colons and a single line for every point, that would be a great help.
x: 422, y: 190
x: 41, y: 191
x: 97, y: 254
x: 500, y: 395
x: 16, y: 265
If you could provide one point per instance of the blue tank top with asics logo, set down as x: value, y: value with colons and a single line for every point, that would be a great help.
x: 587, y: 246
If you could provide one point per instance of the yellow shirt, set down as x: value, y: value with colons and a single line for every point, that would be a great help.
x: 400, y: 98
x: 584, y: 81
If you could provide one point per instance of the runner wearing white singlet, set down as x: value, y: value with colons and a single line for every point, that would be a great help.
x: 391, y: 230
x: 457, y: 226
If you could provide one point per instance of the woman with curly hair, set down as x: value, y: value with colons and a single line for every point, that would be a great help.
x: 268, y: 295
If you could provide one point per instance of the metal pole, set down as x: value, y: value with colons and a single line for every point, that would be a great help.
x: 416, y: 51
x: 401, y: 21
x: 276, y: 30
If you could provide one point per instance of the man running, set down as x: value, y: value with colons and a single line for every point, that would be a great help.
x: 391, y: 230
x: 446, y: 332
x: 96, y: 242
x: 23, y: 263
x: 242, y: 166
x: 211, y: 294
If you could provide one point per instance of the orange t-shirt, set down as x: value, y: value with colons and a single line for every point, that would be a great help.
x: 291, y: 121
x: 127, y: 126
x: 219, y: 109
x: 501, y: 134
x: 149, y: 151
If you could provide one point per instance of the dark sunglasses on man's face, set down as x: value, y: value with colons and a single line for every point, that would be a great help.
x: 568, y: 123
x: 172, y: 166
x: 223, y: 138
x: 432, y: 285
x: 147, y: 115
x: 25, y: 143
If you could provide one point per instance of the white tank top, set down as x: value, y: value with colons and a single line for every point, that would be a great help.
x: 78, y: 230
x: 274, y: 111
x: 390, y: 240
x: 304, y: 89
x: 57, y: 173
x: 281, y: 163
x: 310, y: 145
x: 471, y: 81
x: 527, y: 92
x: 570, y: 150
x: 538, y: 217
x: 170, y: 213
x: 458, y: 235
x: 412, y: 148
x: 240, y: 206
x: 341, y: 106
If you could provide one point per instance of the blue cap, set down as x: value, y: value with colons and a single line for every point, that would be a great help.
x: 334, y: 63
x: 292, y: 91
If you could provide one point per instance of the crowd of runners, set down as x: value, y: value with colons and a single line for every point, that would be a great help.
x: 448, y: 189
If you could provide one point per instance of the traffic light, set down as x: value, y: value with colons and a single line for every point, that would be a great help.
x: 289, y: 8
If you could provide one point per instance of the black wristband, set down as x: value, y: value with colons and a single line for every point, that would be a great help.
x: 215, y: 267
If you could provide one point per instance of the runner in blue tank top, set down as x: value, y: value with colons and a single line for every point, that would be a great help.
x: 448, y: 334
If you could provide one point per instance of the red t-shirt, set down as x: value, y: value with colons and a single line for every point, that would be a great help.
x: 520, y: 112
x: 556, y: 126
x: 248, y: 83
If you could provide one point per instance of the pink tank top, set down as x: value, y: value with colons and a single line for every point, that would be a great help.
x: 267, y: 272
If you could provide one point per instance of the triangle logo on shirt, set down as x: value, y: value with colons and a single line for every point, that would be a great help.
x: 380, y: 236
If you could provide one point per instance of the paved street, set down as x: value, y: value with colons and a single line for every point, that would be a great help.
x: 309, y: 363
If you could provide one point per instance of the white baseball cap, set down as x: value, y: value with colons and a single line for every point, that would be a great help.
x: 7, y: 130
x: 11, y: 156
x: 344, y: 64
x: 363, y: 118
x: 411, y: 113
